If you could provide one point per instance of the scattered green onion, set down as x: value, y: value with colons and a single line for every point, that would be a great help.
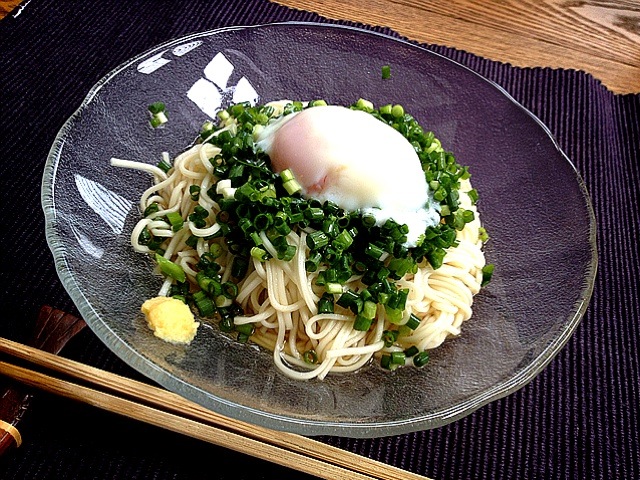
x: 482, y: 235
x: 398, y: 358
x: 194, y: 191
x: 389, y: 337
x: 157, y: 107
x: 325, y: 304
x: 317, y: 240
x: 246, y: 328
x: 164, y: 166
x: 397, y: 111
x: 170, y: 269
x: 175, y: 220
x: 333, y: 287
x: 310, y: 357
x: 411, y: 351
x: 421, y: 359
x: 257, y: 204
x: 158, y: 114
x: 204, y: 304
x: 151, y: 209
x: 413, y: 322
x: 259, y: 254
x: 487, y: 274
x: 361, y: 323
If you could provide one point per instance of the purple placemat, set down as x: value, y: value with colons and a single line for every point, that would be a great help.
x: 578, y: 419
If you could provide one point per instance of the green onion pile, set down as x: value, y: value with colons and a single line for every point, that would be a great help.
x: 258, y: 202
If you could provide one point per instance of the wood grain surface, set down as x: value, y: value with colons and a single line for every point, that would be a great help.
x: 597, y: 36
x: 6, y: 6
x: 601, y: 37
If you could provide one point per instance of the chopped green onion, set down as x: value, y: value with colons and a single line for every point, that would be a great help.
x: 411, y: 351
x: 245, y: 328
x: 398, y: 299
x: 192, y: 241
x: 242, y: 337
x: 369, y: 309
x: 286, y: 175
x: 151, y: 209
x: 204, y: 304
x: 176, y: 221
x: 170, y: 269
x: 280, y: 224
x: 239, y: 267
x: 263, y: 221
x: 487, y: 274
x: 310, y: 357
x: 386, y: 72
x: 156, y: 108
x: 208, y: 284
x: 386, y: 109
x: 332, y: 287
x: 158, y: 119
x: 389, y: 337
x: 194, y: 191
x: 223, y: 302
x: 287, y: 253
x: 394, y: 315
x: 398, y: 358
x: 179, y: 289
x: 312, y: 262
x: 365, y: 105
x: 257, y: 240
x: 385, y: 361
x: 164, y: 166
x: 374, y: 251
x: 259, y: 254
x: 292, y: 186
x: 226, y: 324
x: 421, y: 359
x: 314, y: 214
x: 215, y: 250
x: 482, y: 235
x: 325, y: 304
x: 145, y: 237
x: 317, y: 239
x: 230, y: 290
x: 351, y: 300
x: 397, y: 111
x: 343, y: 240
x: 361, y: 323
x: 413, y: 322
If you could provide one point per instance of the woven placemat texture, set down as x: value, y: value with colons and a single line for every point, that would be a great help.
x: 578, y: 419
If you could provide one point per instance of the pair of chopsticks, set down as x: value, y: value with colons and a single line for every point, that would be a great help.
x: 165, y: 409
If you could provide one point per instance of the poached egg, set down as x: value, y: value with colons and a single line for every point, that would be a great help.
x: 354, y: 160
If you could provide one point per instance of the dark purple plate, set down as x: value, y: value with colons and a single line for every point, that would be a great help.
x: 532, y: 201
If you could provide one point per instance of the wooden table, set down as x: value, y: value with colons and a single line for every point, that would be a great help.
x: 601, y: 37
x: 598, y: 36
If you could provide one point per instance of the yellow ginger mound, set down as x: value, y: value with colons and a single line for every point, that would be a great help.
x: 170, y: 319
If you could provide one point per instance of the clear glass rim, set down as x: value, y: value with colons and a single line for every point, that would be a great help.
x: 296, y: 425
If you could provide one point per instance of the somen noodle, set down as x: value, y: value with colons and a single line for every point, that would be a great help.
x: 273, y: 288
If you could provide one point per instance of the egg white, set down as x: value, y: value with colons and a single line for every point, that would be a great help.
x: 351, y: 158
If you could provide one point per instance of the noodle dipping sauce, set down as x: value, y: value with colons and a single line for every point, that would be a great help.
x: 354, y: 160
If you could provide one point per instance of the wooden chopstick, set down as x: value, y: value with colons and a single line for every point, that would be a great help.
x: 162, y: 408
x: 179, y: 424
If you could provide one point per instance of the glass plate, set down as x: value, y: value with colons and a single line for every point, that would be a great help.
x: 532, y: 201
